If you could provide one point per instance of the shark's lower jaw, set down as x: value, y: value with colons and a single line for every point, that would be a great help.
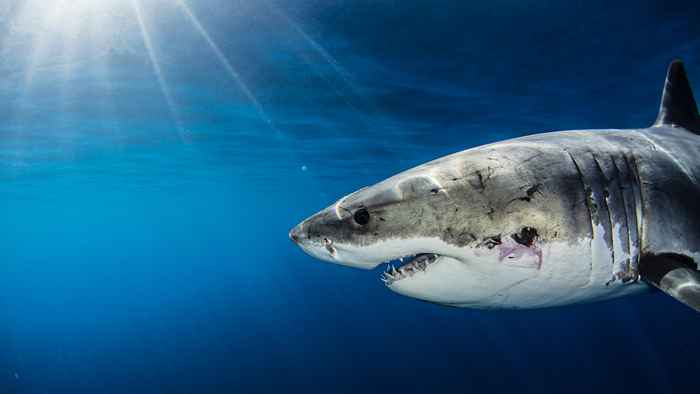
x: 408, y: 266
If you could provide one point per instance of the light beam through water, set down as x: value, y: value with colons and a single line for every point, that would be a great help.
x: 157, y: 70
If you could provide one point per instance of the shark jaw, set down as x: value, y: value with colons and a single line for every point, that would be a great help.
x: 403, y: 257
x: 423, y: 268
x: 368, y: 256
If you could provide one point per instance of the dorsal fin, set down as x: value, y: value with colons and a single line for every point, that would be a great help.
x: 678, y: 106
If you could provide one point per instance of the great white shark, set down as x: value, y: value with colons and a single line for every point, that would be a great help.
x: 539, y: 221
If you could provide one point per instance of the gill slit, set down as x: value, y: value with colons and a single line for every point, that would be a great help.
x: 633, y: 164
x: 588, y: 194
x: 618, y: 173
x: 604, y: 201
x: 632, y: 215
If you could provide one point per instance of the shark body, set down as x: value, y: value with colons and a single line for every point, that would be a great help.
x: 539, y: 221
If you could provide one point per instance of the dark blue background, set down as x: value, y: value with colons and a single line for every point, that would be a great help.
x: 145, y: 250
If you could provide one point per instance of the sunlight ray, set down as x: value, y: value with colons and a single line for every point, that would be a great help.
x: 32, y: 45
x: 157, y: 70
x: 282, y: 139
x: 225, y: 62
x: 10, y: 14
x: 318, y: 48
x: 103, y: 73
x: 347, y: 89
x: 39, y: 42
x: 67, y: 59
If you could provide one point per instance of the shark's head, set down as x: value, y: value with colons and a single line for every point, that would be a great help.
x: 462, y: 230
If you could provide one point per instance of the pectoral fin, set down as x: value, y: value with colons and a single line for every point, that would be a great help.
x: 675, y: 275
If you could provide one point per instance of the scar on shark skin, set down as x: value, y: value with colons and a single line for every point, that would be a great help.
x: 526, y: 237
x: 482, y: 177
x: 529, y: 194
x: 520, y: 247
x: 329, y: 246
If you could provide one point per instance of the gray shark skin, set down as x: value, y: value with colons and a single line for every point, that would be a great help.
x: 539, y: 221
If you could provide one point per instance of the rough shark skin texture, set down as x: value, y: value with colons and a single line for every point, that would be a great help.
x: 538, y: 221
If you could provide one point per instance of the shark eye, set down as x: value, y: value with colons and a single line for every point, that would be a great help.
x: 361, y: 216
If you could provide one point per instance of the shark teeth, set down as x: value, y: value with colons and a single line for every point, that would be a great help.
x: 415, y: 264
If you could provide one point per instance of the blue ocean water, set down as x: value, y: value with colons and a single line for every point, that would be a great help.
x: 154, y: 154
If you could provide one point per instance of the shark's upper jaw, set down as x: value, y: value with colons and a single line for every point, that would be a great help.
x: 403, y: 257
x: 399, y: 265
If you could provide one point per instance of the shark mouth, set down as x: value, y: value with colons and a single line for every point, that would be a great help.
x: 407, y: 267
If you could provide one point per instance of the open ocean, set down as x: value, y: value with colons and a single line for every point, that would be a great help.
x: 155, y: 153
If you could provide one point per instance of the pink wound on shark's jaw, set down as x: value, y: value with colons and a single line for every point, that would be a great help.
x: 515, y: 254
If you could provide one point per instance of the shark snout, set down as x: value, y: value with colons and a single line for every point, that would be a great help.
x: 319, y: 247
x: 296, y: 233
